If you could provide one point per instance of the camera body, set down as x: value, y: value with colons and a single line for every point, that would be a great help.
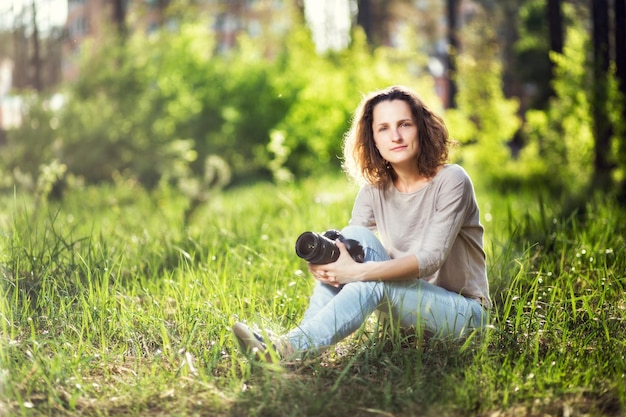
x: 320, y: 249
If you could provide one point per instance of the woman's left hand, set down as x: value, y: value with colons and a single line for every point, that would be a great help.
x: 342, y: 271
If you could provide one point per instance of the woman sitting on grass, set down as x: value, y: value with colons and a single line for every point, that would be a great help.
x: 428, y: 268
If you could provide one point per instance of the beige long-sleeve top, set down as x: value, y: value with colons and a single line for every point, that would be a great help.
x: 439, y: 224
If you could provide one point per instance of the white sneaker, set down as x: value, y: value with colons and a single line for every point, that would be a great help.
x: 252, y: 343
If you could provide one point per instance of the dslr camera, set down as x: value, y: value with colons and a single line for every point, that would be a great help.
x: 320, y: 249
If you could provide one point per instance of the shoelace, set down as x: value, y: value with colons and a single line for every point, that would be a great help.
x: 260, y: 339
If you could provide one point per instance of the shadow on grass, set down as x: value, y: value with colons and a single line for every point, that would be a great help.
x: 366, y: 375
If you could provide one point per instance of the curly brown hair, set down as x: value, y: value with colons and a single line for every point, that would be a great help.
x: 362, y: 160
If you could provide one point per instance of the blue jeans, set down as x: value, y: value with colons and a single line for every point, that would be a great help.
x: 334, y: 314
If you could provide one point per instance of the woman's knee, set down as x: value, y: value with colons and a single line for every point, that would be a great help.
x: 373, y: 248
x: 357, y: 233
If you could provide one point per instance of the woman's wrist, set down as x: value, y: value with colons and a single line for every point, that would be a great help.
x: 364, y: 272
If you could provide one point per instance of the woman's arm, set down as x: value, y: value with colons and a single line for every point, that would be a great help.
x: 346, y: 270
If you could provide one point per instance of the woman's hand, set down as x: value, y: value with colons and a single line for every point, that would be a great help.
x: 342, y: 271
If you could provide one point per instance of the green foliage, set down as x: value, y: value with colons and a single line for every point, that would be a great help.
x: 257, y: 94
x: 168, y: 108
x: 147, y: 90
x: 331, y: 88
x: 560, y: 139
x: 24, y: 154
x: 484, y: 121
x: 156, y: 107
x: 616, y: 108
x: 554, y: 147
x: 532, y: 60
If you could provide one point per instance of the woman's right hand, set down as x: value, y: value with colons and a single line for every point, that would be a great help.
x: 320, y: 273
x: 343, y: 271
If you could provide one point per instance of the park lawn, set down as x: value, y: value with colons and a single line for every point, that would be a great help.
x: 115, y: 303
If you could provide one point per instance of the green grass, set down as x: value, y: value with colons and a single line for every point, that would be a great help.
x: 113, y: 304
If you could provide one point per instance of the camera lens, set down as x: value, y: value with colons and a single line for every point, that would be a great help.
x: 316, y: 248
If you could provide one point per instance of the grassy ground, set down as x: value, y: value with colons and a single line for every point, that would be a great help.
x: 113, y: 304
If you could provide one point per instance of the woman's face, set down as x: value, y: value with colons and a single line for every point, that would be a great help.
x: 395, y: 132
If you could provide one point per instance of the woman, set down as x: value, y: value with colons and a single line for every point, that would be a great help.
x: 426, y: 268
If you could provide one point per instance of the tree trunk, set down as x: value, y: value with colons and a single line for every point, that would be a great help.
x: 555, y: 22
x: 620, y: 45
x: 453, y: 47
x: 21, y: 52
x: 620, y: 72
x: 119, y: 17
x: 602, y: 125
x: 364, y: 19
x: 620, y: 49
x: 373, y: 16
x: 36, y: 59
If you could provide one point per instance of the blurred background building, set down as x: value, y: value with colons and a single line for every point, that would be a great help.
x: 41, y: 40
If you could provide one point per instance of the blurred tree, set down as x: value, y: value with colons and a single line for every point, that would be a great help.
x: 453, y: 49
x: 620, y: 46
x: 484, y: 120
x: 36, y: 58
x: 560, y: 142
x: 532, y: 65
x: 329, y: 87
x: 371, y: 16
x: 35, y: 51
x: 599, y: 101
x: 21, y: 51
x: 620, y: 71
x: 528, y: 30
x: 176, y: 101
x: 555, y: 22
x: 380, y: 19
x: 119, y: 17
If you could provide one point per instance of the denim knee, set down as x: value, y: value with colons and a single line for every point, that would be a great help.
x: 357, y: 232
x: 373, y: 248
